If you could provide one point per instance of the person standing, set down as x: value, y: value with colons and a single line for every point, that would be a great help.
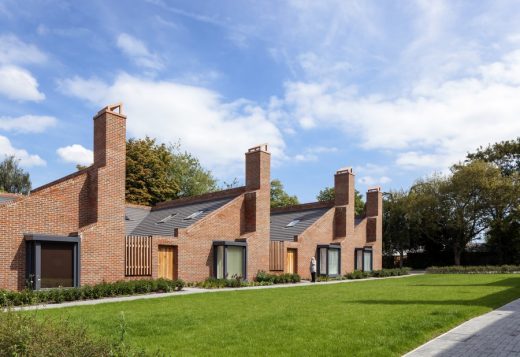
x: 313, y: 269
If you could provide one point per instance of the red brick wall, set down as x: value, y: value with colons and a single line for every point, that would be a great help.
x: 337, y: 225
x: 245, y: 218
x: 89, y: 202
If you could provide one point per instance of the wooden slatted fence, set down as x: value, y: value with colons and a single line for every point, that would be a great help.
x: 138, y: 255
x: 276, y: 255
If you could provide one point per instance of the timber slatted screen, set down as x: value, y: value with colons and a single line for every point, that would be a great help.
x: 276, y: 253
x: 138, y: 256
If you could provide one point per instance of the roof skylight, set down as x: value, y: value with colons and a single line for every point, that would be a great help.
x: 293, y: 223
x: 194, y: 215
x: 167, y: 218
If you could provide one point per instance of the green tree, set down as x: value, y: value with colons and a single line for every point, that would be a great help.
x: 502, y: 206
x: 505, y: 154
x: 451, y: 210
x: 13, y: 179
x: 148, y: 172
x: 157, y: 172
x: 191, y: 178
x: 503, y: 235
x: 280, y: 198
x: 327, y: 194
x: 399, y: 229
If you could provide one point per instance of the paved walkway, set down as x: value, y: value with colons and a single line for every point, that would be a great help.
x: 496, y: 333
x: 190, y: 291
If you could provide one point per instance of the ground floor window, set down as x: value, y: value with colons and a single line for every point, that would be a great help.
x: 230, y: 259
x: 363, y: 259
x: 329, y: 260
x: 52, y: 261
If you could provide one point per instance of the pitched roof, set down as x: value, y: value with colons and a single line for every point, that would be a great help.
x: 134, y: 215
x: 164, y: 221
x: 306, y: 217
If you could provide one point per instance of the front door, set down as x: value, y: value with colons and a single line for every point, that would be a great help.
x: 290, y: 262
x: 166, y: 262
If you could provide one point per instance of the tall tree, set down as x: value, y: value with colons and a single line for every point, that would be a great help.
x: 502, y: 206
x: 503, y: 235
x: 191, y: 178
x: 399, y: 229
x: 327, y: 194
x: 157, y: 172
x: 505, y: 154
x: 148, y: 172
x: 280, y: 198
x: 451, y: 209
x: 13, y: 178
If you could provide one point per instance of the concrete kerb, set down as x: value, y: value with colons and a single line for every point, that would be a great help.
x: 191, y: 291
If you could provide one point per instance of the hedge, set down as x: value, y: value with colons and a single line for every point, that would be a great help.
x: 88, y: 292
x: 383, y: 273
x: 262, y: 276
x: 480, y: 269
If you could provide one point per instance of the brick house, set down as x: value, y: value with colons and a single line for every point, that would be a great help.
x: 79, y: 230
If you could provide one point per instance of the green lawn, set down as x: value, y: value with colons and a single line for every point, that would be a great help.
x: 372, y: 318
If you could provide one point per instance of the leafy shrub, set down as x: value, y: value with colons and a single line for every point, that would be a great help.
x: 88, y: 292
x: 481, y: 269
x: 214, y: 283
x: 27, y: 335
x: 262, y: 276
x: 358, y: 274
x: 384, y: 273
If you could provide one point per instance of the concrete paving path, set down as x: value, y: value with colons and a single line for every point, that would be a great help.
x: 190, y: 291
x: 496, y: 333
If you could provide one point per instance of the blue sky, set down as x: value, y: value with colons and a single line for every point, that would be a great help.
x: 396, y: 90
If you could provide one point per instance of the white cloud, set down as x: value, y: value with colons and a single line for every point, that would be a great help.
x: 312, y: 153
x: 138, y: 52
x: 76, y: 154
x: 27, y: 123
x: 373, y: 181
x: 218, y: 132
x: 14, y: 51
x: 432, y: 129
x: 18, y: 84
x: 26, y: 159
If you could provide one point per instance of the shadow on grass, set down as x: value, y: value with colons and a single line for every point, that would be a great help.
x: 493, y: 300
x: 511, y: 282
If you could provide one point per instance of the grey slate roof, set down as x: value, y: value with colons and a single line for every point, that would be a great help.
x: 134, y: 216
x: 149, y: 226
x: 279, y: 221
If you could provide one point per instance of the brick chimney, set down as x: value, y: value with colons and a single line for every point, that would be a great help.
x: 102, y: 244
x: 108, y: 180
x: 257, y: 207
x: 344, y: 201
x: 258, y: 185
x: 374, y: 213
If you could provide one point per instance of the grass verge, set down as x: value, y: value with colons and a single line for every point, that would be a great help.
x: 370, y: 318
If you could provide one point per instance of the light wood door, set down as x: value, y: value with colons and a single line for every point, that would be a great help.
x: 290, y: 262
x: 166, y: 262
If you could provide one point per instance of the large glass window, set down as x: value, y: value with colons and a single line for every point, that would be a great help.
x: 333, y: 261
x: 323, y: 260
x: 230, y: 259
x: 367, y: 260
x: 329, y: 260
x: 235, y: 261
x: 363, y: 259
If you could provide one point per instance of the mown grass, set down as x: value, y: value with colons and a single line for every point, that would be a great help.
x: 371, y: 318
